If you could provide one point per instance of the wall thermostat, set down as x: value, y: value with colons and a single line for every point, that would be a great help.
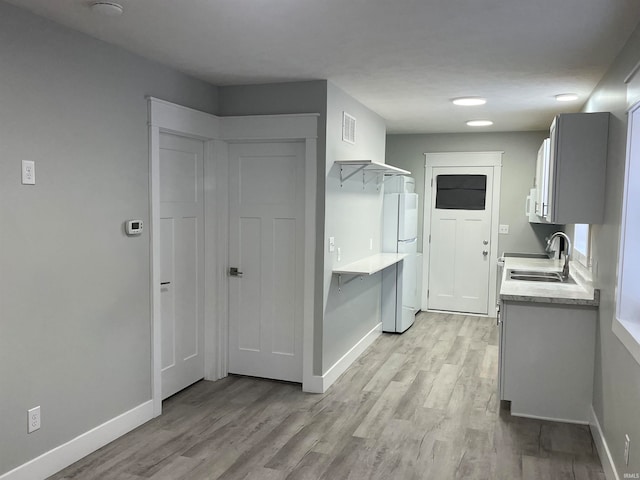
x: 133, y: 227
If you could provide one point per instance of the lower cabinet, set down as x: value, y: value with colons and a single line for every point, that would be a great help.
x: 547, y: 359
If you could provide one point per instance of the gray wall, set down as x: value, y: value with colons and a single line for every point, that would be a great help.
x: 518, y: 173
x: 292, y: 97
x: 348, y: 213
x: 617, y: 375
x: 353, y: 216
x: 74, y: 290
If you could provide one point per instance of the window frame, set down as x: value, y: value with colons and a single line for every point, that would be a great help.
x: 628, y: 329
x: 585, y: 259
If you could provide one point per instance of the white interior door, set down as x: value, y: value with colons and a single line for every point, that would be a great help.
x: 181, y: 261
x: 266, y: 216
x: 460, y: 246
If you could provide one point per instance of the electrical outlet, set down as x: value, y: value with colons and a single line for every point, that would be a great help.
x: 371, y: 244
x: 503, y: 229
x: 627, y: 444
x: 28, y: 172
x: 33, y: 419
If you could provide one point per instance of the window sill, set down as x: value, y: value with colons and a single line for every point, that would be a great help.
x: 629, y: 334
x: 577, y: 268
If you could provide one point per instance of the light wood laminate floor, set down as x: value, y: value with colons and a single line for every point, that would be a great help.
x: 421, y: 405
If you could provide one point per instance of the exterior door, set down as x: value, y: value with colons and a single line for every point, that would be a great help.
x: 459, y: 249
x: 181, y: 261
x: 266, y: 185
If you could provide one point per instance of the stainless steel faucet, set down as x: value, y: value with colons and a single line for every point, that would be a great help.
x: 567, y: 253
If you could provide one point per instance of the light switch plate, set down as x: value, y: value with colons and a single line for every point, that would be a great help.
x: 28, y: 172
x: 332, y: 244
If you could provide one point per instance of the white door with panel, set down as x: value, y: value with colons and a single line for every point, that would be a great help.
x: 459, y: 249
x: 181, y: 261
x: 266, y: 247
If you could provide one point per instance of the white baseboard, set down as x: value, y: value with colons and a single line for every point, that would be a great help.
x: 64, y: 455
x: 320, y: 384
x: 603, y: 449
x: 548, y: 419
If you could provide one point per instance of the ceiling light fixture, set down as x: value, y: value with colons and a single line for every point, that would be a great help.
x: 479, y: 123
x: 469, y: 101
x: 109, y: 9
x: 566, y: 97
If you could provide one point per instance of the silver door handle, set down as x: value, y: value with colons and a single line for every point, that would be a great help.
x: 234, y: 272
x: 485, y: 252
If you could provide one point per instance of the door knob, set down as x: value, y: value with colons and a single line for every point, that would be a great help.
x: 485, y: 252
x: 234, y: 272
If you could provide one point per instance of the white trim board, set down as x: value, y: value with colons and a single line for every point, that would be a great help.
x: 476, y: 159
x: 321, y: 384
x: 463, y: 159
x: 604, y: 453
x: 64, y: 455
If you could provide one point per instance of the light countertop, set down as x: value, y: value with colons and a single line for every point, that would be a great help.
x: 578, y: 292
x: 370, y: 265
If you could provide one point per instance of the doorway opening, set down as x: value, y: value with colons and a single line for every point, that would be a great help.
x: 460, y: 241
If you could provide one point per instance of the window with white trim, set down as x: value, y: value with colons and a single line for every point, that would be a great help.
x: 582, y: 244
x: 626, y: 324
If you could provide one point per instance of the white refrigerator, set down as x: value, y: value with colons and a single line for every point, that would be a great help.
x: 399, y: 284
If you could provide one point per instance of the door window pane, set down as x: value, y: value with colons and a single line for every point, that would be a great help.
x: 461, y: 192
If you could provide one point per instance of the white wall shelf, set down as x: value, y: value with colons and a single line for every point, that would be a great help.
x: 367, y: 266
x: 367, y: 166
x: 370, y: 265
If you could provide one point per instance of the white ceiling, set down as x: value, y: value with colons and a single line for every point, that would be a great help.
x: 404, y: 59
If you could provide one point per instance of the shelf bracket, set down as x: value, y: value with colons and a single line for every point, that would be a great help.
x: 344, y: 178
x: 341, y: 283
x: 376, y: 177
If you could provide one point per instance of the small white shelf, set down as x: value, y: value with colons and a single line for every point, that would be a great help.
x: 368, y: 166
x: 370, y: 265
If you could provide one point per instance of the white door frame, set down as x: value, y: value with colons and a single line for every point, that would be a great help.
x: 217, y: 133
x: 462, y: 159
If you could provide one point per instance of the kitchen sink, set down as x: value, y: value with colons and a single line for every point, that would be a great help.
x: 538, y: 276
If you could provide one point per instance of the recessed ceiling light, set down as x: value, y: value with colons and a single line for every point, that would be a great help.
x: 479, y: 123
x: 566, y: 97
x: 109, y: 9
x: 469, y: 101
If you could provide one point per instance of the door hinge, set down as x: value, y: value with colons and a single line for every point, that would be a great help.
x: 429, y: 238
x: 427, y: 293
x: 431, y: 182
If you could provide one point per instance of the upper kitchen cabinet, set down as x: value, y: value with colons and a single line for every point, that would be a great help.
x: 542, y: 181
x: 573, y: 182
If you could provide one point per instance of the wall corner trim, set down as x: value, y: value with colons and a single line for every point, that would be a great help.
x: 320, y: 384
x: 608, y: 465
x: 64, y: 455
